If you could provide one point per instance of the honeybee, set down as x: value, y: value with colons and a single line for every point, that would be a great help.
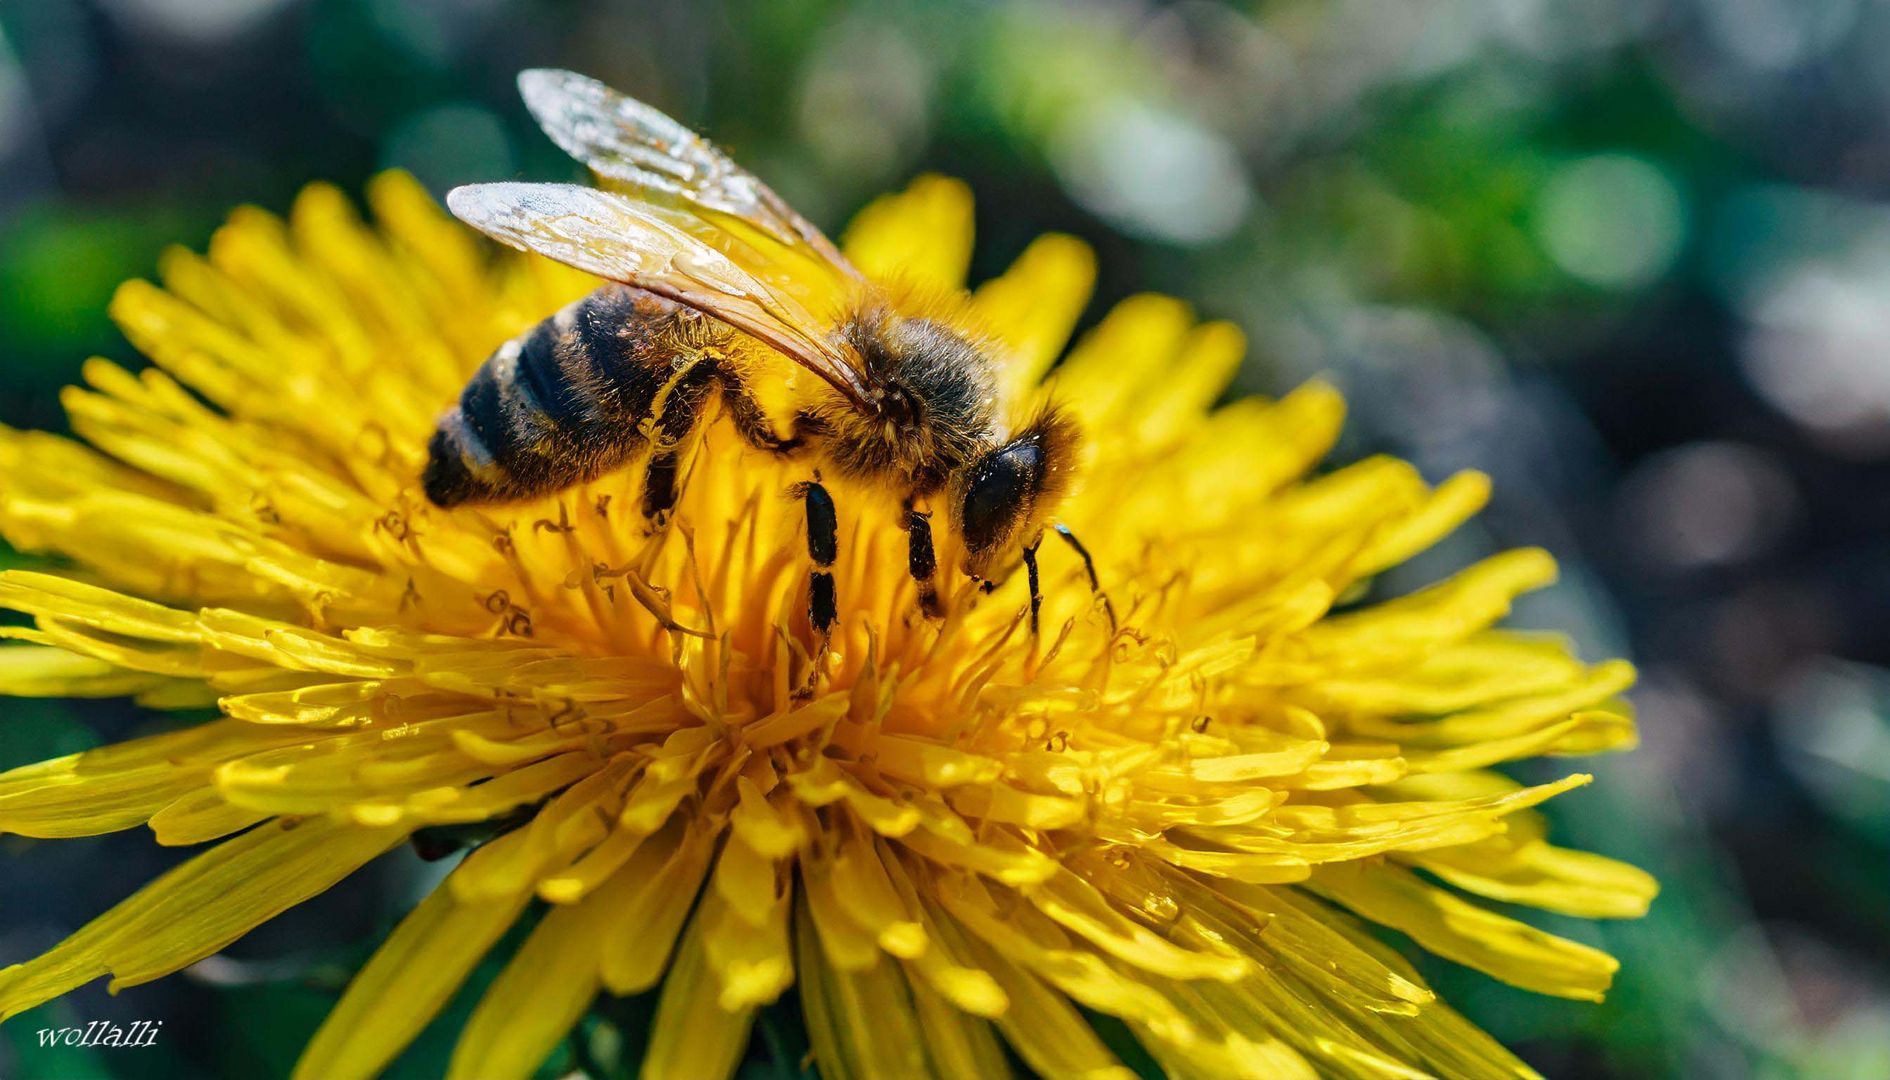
x: 698, y: 252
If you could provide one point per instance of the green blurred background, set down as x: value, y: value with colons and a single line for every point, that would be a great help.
x: 1632, y: 257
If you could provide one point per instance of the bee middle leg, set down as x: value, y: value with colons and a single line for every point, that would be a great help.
x: 823, y: 547
x: 922, y: 560
x: 677, y: 416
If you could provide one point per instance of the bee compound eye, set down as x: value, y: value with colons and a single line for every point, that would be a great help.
x: 999, y: 493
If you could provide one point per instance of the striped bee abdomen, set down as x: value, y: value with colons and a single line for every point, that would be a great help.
x: 566, y: 401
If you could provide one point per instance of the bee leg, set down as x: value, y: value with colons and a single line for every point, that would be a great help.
x: 680, y: 409
x: 750, y: 422
x: 823, y: 547
x: 1036, y: 584
x: 659, y: 486
x: 1089, y: 567
x: 922, y: 560
x: 754, y: 426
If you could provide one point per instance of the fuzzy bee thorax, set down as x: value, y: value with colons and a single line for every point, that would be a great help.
x: 933, y: 405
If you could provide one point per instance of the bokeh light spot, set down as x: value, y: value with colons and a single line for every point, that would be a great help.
x: 1706, y: 503
x: 1611, y: 220
x: 16, y: 116
x: 1152, y: 172
x: 1777, y: 35
x: 1833, y: 722
x: 865, y: 101
x: 203, y: 22
x: 1817, y: 347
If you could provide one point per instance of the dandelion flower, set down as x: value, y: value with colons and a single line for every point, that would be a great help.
x: 966, y: 838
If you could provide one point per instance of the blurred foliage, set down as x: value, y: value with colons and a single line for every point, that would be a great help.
x: 1629, y: 256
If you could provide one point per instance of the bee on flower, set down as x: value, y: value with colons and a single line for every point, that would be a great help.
x: 723, y: 727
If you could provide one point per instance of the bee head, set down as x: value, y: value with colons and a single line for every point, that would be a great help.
x: 1002, y: 497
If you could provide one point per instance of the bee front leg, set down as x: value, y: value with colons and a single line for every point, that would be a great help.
x: 922, y: 560
x: 754, y: 426
x: 1036, y: 583
x: 1089, y: 567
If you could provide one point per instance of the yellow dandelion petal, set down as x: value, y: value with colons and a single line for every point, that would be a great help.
x: 971, y: 989
x: 920, y: 236
x: 1184, y: 801
x: 199, y: 817
x: 823, y: 782
x: 1219, y: 1049
x: 50, y: 671
x: 568, y: 826
x: 1041, y: 1024
x: 1134, y: 346
x: 198, y: 908
x: 1529, y: 871
x: 420, y: 966
x: 957, y: 1041
x: 692, y: 1034
x: 746, y: 880
x: 1040, y: 946
x: 752, y: 960
x: 661, y: 880
x: 845, y: 942
x: 542, y: 991
x: 860, y: 1020
x: 771, y: 830
x: 868, y: 897
x: 1454, y: 927
x: 120, y: 786
x: 1033, y: 306
x: 1080, y: 908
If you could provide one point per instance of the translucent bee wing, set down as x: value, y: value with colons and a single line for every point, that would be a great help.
x: 654, y: 248
x: 626, y: 141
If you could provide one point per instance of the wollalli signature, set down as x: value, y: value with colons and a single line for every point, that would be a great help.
x: 103, y: 1033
